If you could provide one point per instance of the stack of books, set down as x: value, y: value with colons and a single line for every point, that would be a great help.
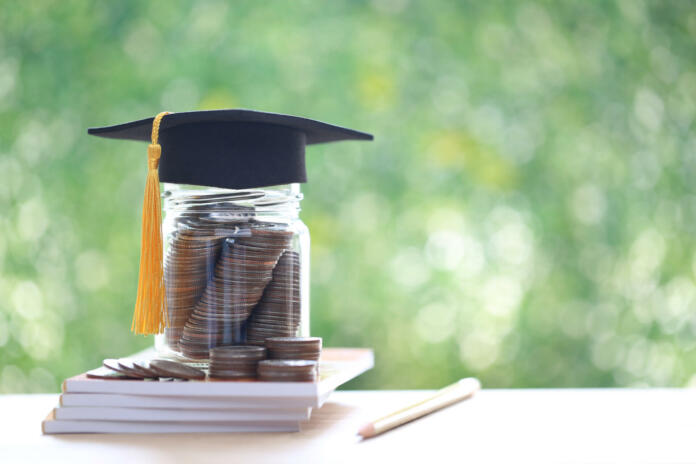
x: 89, y: 405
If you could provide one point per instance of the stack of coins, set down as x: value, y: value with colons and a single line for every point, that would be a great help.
x: 294, y: 348
x: 190, y: 259
x: 235, y: 362
x: 243, y: 270
x: 279, y: 370
x: 278, y: 312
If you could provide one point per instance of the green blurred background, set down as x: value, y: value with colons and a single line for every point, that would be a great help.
x: 525, y: 215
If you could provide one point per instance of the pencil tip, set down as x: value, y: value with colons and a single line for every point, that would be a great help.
x: 366, y: 431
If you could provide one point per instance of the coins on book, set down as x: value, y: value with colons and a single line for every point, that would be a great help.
x: 294, y: 348
x: 176, y: 370
x: 235, y: 362
x: 281, y: 370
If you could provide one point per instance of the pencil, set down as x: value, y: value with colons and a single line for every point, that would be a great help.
x: 461, y: 390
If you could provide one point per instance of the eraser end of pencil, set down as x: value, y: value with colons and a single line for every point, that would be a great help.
x: 471, y: 382
x: 367, y: 430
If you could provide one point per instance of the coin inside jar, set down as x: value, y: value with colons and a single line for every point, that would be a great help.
x: 220, y: 264
x: 190, y: 259
x: 278, y: 311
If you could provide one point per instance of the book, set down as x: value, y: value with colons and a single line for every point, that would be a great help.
x: 53, y: 426
x: 176, y: 415
x: 175, y: 402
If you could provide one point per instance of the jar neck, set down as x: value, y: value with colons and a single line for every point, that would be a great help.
x: 278, y: 203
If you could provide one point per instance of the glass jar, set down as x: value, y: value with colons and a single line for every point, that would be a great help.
x: 236, y: 268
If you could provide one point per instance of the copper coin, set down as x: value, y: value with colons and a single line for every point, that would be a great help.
x: 239, y: 352
x: 166, y: 368
x: 104, y: 373
x: 295, y: 341
x: 116, y: 367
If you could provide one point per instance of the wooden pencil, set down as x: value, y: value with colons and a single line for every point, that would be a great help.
x: 461, y: 390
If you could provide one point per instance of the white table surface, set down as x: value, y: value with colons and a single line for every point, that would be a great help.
x: 657, y: 425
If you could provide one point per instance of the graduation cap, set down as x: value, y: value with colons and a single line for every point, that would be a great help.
x: 231, y: 148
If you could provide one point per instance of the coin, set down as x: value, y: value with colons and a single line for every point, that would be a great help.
x: 116, y: 367
x: 294, y: 341
x: 239, y: 352
x: 274, y: 370
x: 273, y: 365
x: 105, y: 373
x: 232, y: 375
x: 166, y: 368
x: 129, y: 367
x: 144, y: 366
x: 294, y: 348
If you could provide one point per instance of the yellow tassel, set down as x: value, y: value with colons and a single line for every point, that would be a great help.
x: 150, y: 314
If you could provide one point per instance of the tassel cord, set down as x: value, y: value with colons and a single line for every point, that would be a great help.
x: 150, y: 313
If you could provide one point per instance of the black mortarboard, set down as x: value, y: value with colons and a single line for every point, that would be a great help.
x: 232, y: 148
